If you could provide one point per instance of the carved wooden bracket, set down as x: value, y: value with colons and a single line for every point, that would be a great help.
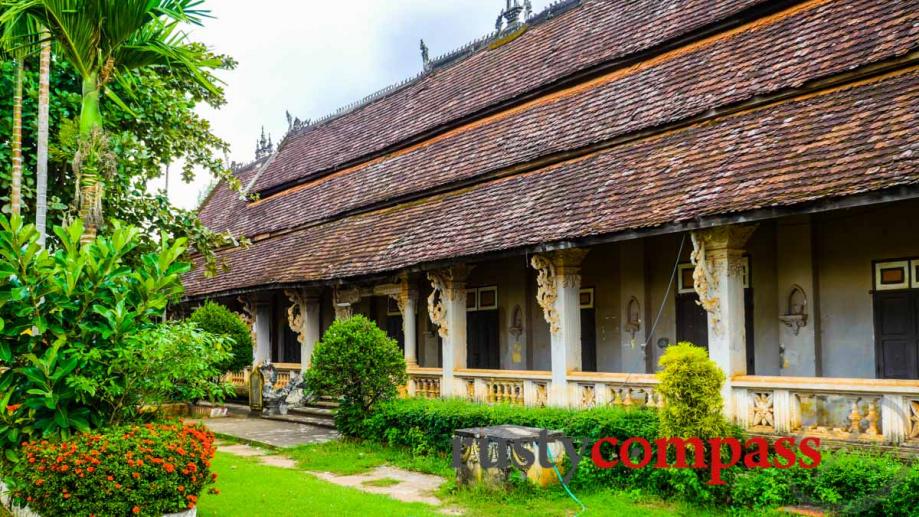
x: 547, y: 291
x: 713, y: 250
x: 296, y: 313
x: 248, y: 316
x: 441, y: 281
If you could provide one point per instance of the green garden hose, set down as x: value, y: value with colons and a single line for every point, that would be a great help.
x: 565, y: 486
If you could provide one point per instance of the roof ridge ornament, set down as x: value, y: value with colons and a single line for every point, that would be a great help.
x: 510, y: 16
x: 263, y: 147
x: 425, y: 56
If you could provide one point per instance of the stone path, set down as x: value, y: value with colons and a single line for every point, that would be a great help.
x: 397, y: 483
x: 271, y: 432
x: 412, y: 487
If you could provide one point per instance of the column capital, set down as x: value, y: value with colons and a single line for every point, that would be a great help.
x: 730, y: 237
x: 343, y: 298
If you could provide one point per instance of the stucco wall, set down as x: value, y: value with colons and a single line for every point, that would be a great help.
x: 846, y: 244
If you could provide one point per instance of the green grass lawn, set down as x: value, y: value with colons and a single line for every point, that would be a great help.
x: 248, y: 488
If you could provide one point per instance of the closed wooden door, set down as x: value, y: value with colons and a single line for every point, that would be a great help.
x: 896, y: 328
x: 482, y: 345
x: 588, y: 340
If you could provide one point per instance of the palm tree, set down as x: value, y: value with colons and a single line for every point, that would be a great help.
x: 15, y: 45
x: 41, y: 168
x: 104, y: 40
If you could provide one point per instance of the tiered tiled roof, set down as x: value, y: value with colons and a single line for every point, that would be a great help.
x: 640, y: 146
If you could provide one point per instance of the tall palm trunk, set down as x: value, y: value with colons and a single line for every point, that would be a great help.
x: 41, y: 170
x: 88, y: 163
x: 16, y: 188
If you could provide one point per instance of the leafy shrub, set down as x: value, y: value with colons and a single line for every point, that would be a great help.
x: 217, y: 319
x: 846, y: 482
x: 172, y: 362
x: 146, y: 470
x: 860, y: 483
x: 691, y: 383
x: 85, y: 303
x: 358, y: 362
x: 762, y: 488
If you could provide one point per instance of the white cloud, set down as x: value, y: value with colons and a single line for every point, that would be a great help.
x: 311, y: 57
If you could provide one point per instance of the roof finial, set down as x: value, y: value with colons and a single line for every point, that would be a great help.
x: 425, y: 56
x: 511, y: 14
x: 263, y: 147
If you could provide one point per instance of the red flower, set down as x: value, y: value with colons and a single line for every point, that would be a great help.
x: 12, y: 408
x: 136, y: 475
x: 136, y: 509
x: 169, y: 468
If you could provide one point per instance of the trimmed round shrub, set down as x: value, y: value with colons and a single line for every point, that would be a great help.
x: 217, y: 319
x: 358, y: 363
x: 151, y: 469
x: 691, y: 385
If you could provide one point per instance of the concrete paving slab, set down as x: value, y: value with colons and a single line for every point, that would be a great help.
x: 272, y: 432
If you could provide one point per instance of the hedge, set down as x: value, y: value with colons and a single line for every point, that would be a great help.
x: 427, y: 425
x: 847, y: 482
x: 151, y: 469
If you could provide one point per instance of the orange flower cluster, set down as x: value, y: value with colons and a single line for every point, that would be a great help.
x: 149, y: 469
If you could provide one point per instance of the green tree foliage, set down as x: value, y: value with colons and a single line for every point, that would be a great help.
x: 150, y: 122
x: 104, y: 41
x: 691, y: 385
x: 357, y: 362
x: 172, y: 362
x: 160, y: 128
x: 75, y: 325
x: 217, y: 319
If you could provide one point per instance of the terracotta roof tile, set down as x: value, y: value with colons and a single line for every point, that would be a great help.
x: 844, y: 142
x: 596, y: 32
x: 829, y: 38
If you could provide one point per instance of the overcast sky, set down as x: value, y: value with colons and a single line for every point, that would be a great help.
x: 312, y: 56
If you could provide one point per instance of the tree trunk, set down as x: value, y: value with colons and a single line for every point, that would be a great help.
x: 16, y: 187
x: 87, y: 163
x: 41, y: 171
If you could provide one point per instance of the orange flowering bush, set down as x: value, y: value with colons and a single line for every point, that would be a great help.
x: 150, y: 469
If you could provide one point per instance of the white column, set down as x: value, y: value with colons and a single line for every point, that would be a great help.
x: 558, y: 293
x: 262, y: 333
x: 311, y: 328
x: 447, y: 308
x: 408, y: 302
x: 718, y: 257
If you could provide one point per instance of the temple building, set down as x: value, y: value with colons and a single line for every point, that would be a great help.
x: 536, y: 216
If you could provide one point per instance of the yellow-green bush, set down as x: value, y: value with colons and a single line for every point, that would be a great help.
x: 691, y: 385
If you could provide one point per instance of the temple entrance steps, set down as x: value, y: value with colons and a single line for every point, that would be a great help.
x: 319, y: 412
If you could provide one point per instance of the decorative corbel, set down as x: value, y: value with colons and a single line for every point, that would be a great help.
x: 296, y: 313
x: 248, y: 316
x: 711, y: 252
x: 546, y: 292
x: 440, y: 281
